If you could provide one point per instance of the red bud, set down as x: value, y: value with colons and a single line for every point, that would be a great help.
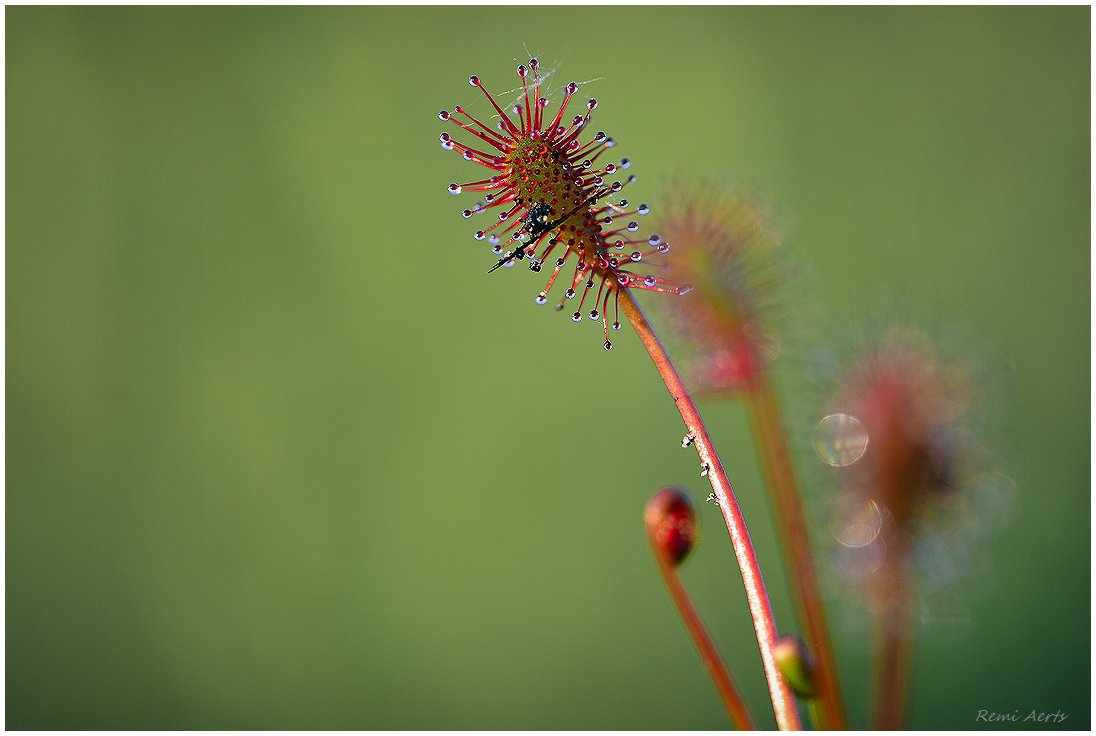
x: 671, y: 524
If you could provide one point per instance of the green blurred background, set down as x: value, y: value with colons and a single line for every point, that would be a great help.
x: 280, y: 454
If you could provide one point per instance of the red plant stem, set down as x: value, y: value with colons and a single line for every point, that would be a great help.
x: 728, y: 693
x: 893, y: 650
x: 777, y: 463
x: 784, y: 707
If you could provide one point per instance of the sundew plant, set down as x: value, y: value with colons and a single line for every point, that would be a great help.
x: 329, y: 389
x: 553, y: 199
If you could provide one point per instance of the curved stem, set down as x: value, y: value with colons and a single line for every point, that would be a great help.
x: 728, y: 693
x: 787, y: 717
x: 777, y: 464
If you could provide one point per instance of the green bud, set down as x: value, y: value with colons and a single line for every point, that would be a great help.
x: 797, y: 665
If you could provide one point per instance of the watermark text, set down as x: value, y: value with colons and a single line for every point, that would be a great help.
x: 1020, y: 716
